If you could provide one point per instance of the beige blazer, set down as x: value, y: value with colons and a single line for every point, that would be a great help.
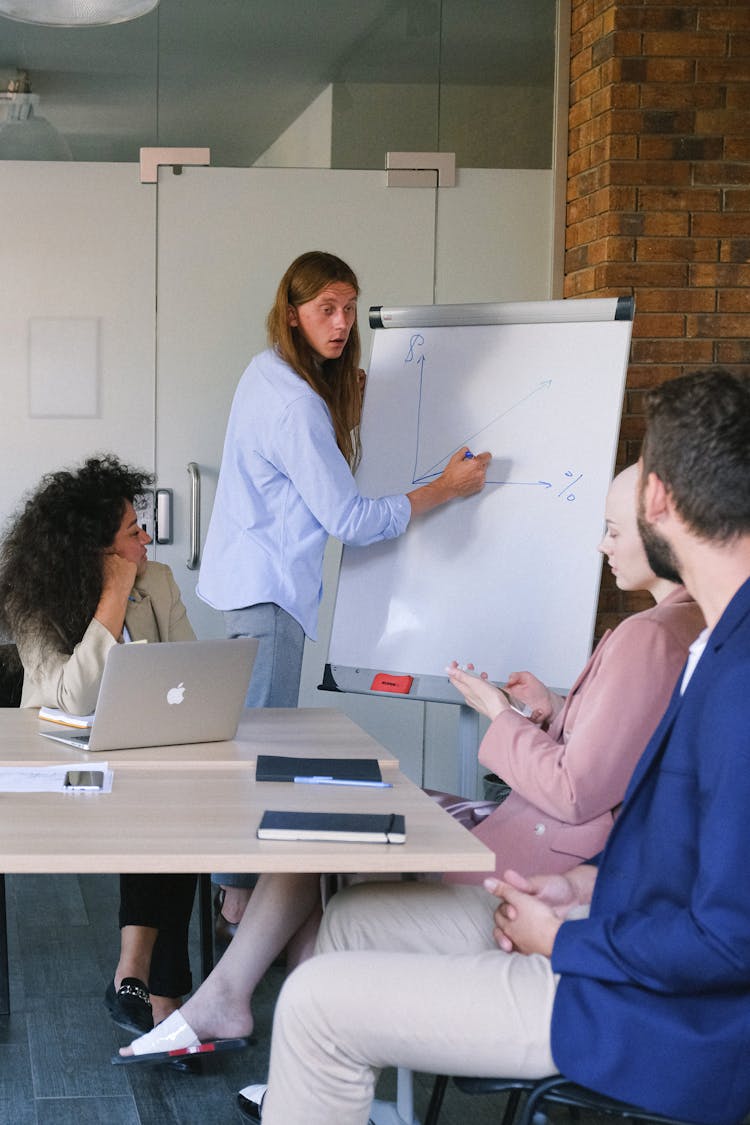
x: 567, y: 781
x: 55, y: 678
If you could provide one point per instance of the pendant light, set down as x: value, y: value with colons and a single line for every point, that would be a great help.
x: 75, y: 13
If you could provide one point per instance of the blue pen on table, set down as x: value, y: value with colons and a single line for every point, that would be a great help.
x: 341, y: 781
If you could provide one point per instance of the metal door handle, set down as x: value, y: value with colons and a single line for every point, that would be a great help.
x: 195, y: 516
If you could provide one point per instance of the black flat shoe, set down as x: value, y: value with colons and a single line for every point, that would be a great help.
x: 129, y: 1006
x: 250, y: 1102
x: 224, y: 931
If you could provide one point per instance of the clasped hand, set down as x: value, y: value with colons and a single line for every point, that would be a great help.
x: 530, y: 911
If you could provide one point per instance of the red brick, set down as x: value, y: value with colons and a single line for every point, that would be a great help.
x: 619, y: 96
x: 581, y: 14
x: 677, y: 300
x: 672, y: 351
x: 658, y: 325
x: 623, y: 223
x: 612, y: 250
x: 721, y: 172
x: 720, y: 275
x: 670, y: 70
x: 684, y: 44
x: 737, y: 148
x: 725, y: 19
x: 680, y: 97
x: 614, y: 199
x: 585, y: 85
x: 733, y: 351
x: 737, y: 199
x: 738, y: 97
x: 582, y: 233
x: 650, y: 376
x: 672, y: 249
x: 735, y: 121
x: 656, y: 19
x: 580, y: 283
x: 632, y: 428
x: 735, y: 250
x: 718, y: 325
x: 734, y: 300
x: 578, y: 210
x: 649, y: 173
x: 674, y: 224
x: 580, y: 63
x: 722, y: 70
x: 666, y: 199
x: 620, y: 275
x: 721, y: 226
x: 585, y: 183
x: 681, y: 148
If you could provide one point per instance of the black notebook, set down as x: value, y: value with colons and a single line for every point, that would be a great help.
x: 361, y: 828
x: 274, y: 767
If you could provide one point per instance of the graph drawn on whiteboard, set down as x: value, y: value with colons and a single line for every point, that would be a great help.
x: 506, y: 578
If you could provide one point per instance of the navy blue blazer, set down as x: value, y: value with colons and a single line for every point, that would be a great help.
x: 653, y: 1004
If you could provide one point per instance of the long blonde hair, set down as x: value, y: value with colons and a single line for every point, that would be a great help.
x: 337, y: 381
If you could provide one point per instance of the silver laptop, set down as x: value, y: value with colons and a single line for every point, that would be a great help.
x: 168, y: 693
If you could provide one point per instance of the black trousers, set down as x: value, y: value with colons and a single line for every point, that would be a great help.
x: 165, y: 903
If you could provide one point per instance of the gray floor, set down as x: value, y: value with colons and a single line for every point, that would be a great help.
x: 56, y: 1045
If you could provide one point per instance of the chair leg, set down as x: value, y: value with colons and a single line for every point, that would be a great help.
x: 4, y: 970
x: 511, y: 1107
x: 436, y: 1099
x: 537, y: 1097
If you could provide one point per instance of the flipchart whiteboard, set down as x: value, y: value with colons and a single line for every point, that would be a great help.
x: 507, y: 579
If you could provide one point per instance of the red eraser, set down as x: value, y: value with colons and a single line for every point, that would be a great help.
x: 384, y: 681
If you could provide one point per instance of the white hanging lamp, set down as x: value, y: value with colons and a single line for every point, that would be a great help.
x: 24, y: 135
x: 75, y: 13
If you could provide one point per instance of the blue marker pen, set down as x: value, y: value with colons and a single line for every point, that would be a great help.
x: 468, y: 455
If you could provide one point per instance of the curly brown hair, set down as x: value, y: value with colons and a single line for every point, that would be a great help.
x: 51, y: 556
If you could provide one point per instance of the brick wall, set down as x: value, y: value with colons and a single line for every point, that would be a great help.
x: 658, y: 201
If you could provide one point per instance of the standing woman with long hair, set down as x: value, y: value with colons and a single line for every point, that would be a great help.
x: 286, y: 483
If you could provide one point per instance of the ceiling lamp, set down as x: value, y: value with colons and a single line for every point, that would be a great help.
x: 24, y: 135
x: 75, y: 13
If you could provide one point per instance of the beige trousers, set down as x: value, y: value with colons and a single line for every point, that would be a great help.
x: 409, y: 975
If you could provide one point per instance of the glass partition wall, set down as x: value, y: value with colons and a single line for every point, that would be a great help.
x: 287, y: 83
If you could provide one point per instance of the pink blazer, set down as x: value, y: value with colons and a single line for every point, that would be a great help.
x: 568, y: 781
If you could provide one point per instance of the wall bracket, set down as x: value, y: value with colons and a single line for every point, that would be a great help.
x: 151, y: 158
x: 420, y: 169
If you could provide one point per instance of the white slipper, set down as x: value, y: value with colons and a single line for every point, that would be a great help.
x: 174, y: 1039
x: 172, y: 1034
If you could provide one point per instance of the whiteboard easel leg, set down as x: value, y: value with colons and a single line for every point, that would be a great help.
x: 468, y: 744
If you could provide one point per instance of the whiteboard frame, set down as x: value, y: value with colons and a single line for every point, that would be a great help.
x: 431, y: 688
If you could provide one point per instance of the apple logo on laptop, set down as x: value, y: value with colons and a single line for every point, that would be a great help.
x: 176, y: 694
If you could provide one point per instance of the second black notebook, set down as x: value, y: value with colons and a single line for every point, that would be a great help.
x: 275, y: 767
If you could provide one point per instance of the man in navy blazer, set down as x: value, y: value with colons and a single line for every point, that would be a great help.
x: 633, y: 969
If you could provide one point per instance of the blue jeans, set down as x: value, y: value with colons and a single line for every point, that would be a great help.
x: 276, y: 672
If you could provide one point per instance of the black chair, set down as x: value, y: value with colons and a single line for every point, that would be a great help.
x: 554, y: 1089
x: 11, y: 683
x: 11, y: 676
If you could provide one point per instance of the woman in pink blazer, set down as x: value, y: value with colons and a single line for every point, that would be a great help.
x: 568, y: 765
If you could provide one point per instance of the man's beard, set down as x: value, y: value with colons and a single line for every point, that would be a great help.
x: 660, y: 555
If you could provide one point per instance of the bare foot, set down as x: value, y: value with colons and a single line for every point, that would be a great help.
x: 215, y: 1014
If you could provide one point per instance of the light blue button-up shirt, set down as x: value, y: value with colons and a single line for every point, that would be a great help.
x: 283, y: 488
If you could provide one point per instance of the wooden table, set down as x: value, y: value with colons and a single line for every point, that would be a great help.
x: 196, y: 809
x: 316, y: 732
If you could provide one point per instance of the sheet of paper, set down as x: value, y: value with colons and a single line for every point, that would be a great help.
x: 50, y: 779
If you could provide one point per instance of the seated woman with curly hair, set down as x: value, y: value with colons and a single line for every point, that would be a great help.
x: 74, y: 581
